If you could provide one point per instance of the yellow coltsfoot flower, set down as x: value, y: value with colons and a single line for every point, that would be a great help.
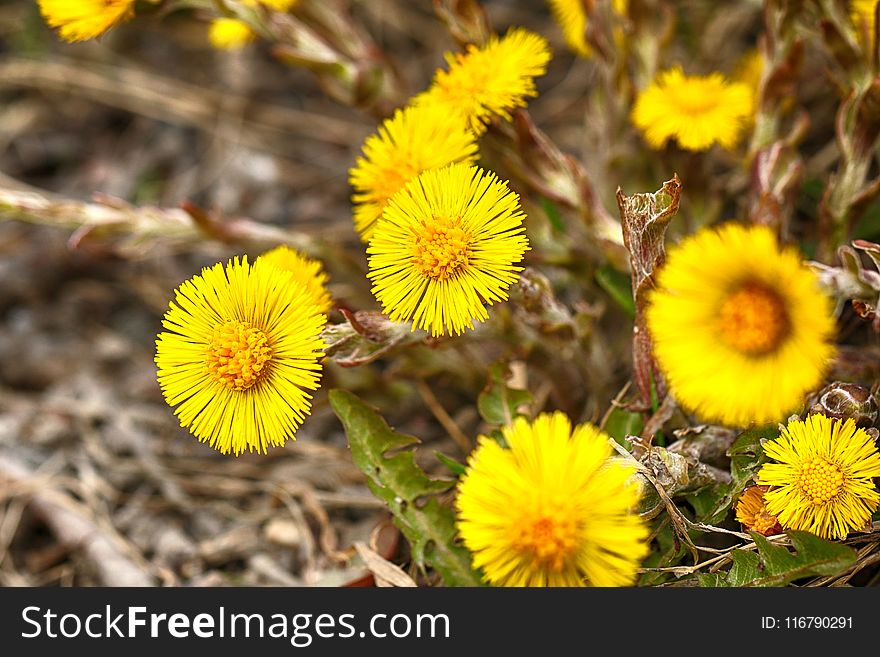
x: 230, y: 33
x: 447, y: 244
x: 240, y: 353
x: 864, y: 17
x: 78, y: 20
x: 822, y: 482
x: 277, y: 5
x: 552, y: 509
x: 740, y: 326
x: 572, y: 18
x: 414, y: 140
x: 492, y: 81
x: 751, y: 511
x: 309, y: 273
x: 695, y: 111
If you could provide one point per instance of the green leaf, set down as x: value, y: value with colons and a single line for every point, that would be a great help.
x: 499, y: 438
x: 553, y: 215
x: 618, y: 286
x: 456, y: 468
x: 622, y: 423
x: 706, y: 500
x: 775, y: 565
x: 498, y: 403
x: 387, y: 458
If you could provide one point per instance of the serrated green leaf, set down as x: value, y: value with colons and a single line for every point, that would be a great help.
x: 776, y: 565
x: 456, y: 468
x: 386, y: 458
x: 498, y: 403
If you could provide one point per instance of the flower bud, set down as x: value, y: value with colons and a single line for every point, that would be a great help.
x: 845, y: 400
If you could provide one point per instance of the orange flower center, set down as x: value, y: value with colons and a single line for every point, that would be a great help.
x: 442, y: 248
x: 763, y: 521
x: 238, y: 355
x: 549, y: 538
x: 753, y: 319
x: 752, y: 512
x: 820, y: 480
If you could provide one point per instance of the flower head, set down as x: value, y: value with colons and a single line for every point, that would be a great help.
x: 572, y: 18
x: 489, y: 82
x: 309, y: 273
x: 864, y: 17
x: 751, y: 511
x: 741, y: 328
x: 240, y: 353
x: 277, y: 5
x: 414, y: 140
x: 552, y: 510
x: 447, y: 244
x: 822, y: 482
x: 78, y: 20
x: 696, y: 111
x: 749, y: 70
x: 230, y: 33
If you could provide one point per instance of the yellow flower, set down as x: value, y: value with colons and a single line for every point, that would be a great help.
x: 749, y: 70
x: 277, y: 5
x: 863, y: 15
x: 309, y: 273
x: 414, y: 140
x: 572, y: 18
x: 823, y: 481
x: 240, y: 354
x: 447, y: 243
x: 230, y: 33
x: 491, y: 81
x: 696, y: 111
x: 741, y: 328
x: 552, y: 510
x: 751, y: 511
x: 78, y: 20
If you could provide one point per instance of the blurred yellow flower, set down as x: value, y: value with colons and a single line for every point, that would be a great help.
x: 78, y: 20
x: 489, y: 82
x: 740, y: 327
x: 551, y: 510
x: 572, y: 18
x: 749, y: 70
x: 696, y: 111
x: 446, y: 245
x: 240, y: 353
x: 864, y: 17
x: 230, y: 33
x: 309, y: 273
x: 823, y: 481
x: 277, y: 5
x: 414, y: 140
